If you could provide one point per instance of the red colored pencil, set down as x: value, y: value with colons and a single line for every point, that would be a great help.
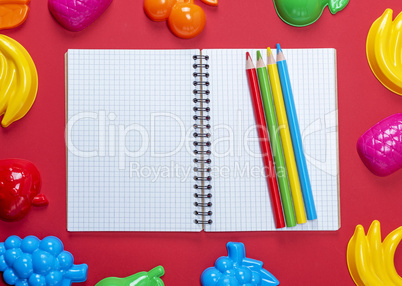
x: 264, y: 143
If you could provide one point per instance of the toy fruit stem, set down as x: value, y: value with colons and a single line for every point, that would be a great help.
x: 158, y: 271
x: 236, y: 251
x: 77, y: 273
x: 40, y: 200
x: 211, y: 2
x: 337, y: 5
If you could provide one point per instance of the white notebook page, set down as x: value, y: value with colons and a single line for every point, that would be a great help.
x: 129, y: 136
x: 240, y: 193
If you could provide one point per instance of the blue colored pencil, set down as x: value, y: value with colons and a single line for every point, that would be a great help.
x: 295, y: 134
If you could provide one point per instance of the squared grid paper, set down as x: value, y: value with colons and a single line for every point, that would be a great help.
x: 130, y: 154
x: 240, y: 192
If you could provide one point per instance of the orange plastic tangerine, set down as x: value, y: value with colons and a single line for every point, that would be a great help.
x: 13, y: 13
x: 186, y: 20
x: 158, y: 10
x: 210, y: 2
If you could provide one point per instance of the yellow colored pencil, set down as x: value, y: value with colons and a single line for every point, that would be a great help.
x: 286, y: 139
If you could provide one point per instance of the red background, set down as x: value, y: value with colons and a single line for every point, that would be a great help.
x: 295, y: 258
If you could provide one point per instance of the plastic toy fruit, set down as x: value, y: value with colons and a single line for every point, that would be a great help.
x: 210, y: 2
x: 13, y: 13
x: 19, y: 189
x: 383, y: 48
x: 150, y: 278
x: 186, y: 20
x: 158, y: 10
x: 236, y: 269
x: 32, y: 262
x: 380, y: 147
x: 370, y: 261
x: 77, y: 15
x: 302, y: 13
x: 18, y: 80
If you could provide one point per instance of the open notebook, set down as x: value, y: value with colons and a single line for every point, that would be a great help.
x: 165, y: 140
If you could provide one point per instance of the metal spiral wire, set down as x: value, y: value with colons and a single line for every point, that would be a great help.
x: 201, y: 142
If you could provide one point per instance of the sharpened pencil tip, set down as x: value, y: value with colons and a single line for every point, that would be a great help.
x: 258, y: 55
x: 278, y: 48
x: 279, y: 54
x: 260, y: 61
x: 271, y: 59
x: 249, y: 61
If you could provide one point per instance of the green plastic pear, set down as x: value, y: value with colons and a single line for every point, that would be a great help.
x: 302, y: 13
x: 150, y: 278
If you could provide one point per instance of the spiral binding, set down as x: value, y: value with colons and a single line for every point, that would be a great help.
x: 202, y: 144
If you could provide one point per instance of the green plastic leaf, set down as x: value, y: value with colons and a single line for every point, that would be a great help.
x: 337, y: 5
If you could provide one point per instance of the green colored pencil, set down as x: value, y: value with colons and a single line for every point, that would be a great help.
x: 276, y: 145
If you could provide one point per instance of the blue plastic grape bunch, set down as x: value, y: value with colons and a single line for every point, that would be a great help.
x: 237, y: 270
x: 34, y: 262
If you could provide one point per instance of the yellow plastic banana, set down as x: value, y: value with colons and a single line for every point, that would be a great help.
x: 7, y: 83
x: 390, y: 244
x: 374, y: 240
x: 19, y: 81
x: 383, y: 48
x: 370, y: 261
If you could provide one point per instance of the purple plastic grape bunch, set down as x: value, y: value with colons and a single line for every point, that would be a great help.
x: 237, y: 270
x: 34, y: 262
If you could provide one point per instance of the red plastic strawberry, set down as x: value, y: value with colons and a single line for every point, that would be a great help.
x: 20, y: 185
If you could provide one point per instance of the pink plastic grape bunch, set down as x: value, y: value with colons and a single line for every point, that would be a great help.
x: 237, y: 270
x: 34, y: 262
x: 380, y: 147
